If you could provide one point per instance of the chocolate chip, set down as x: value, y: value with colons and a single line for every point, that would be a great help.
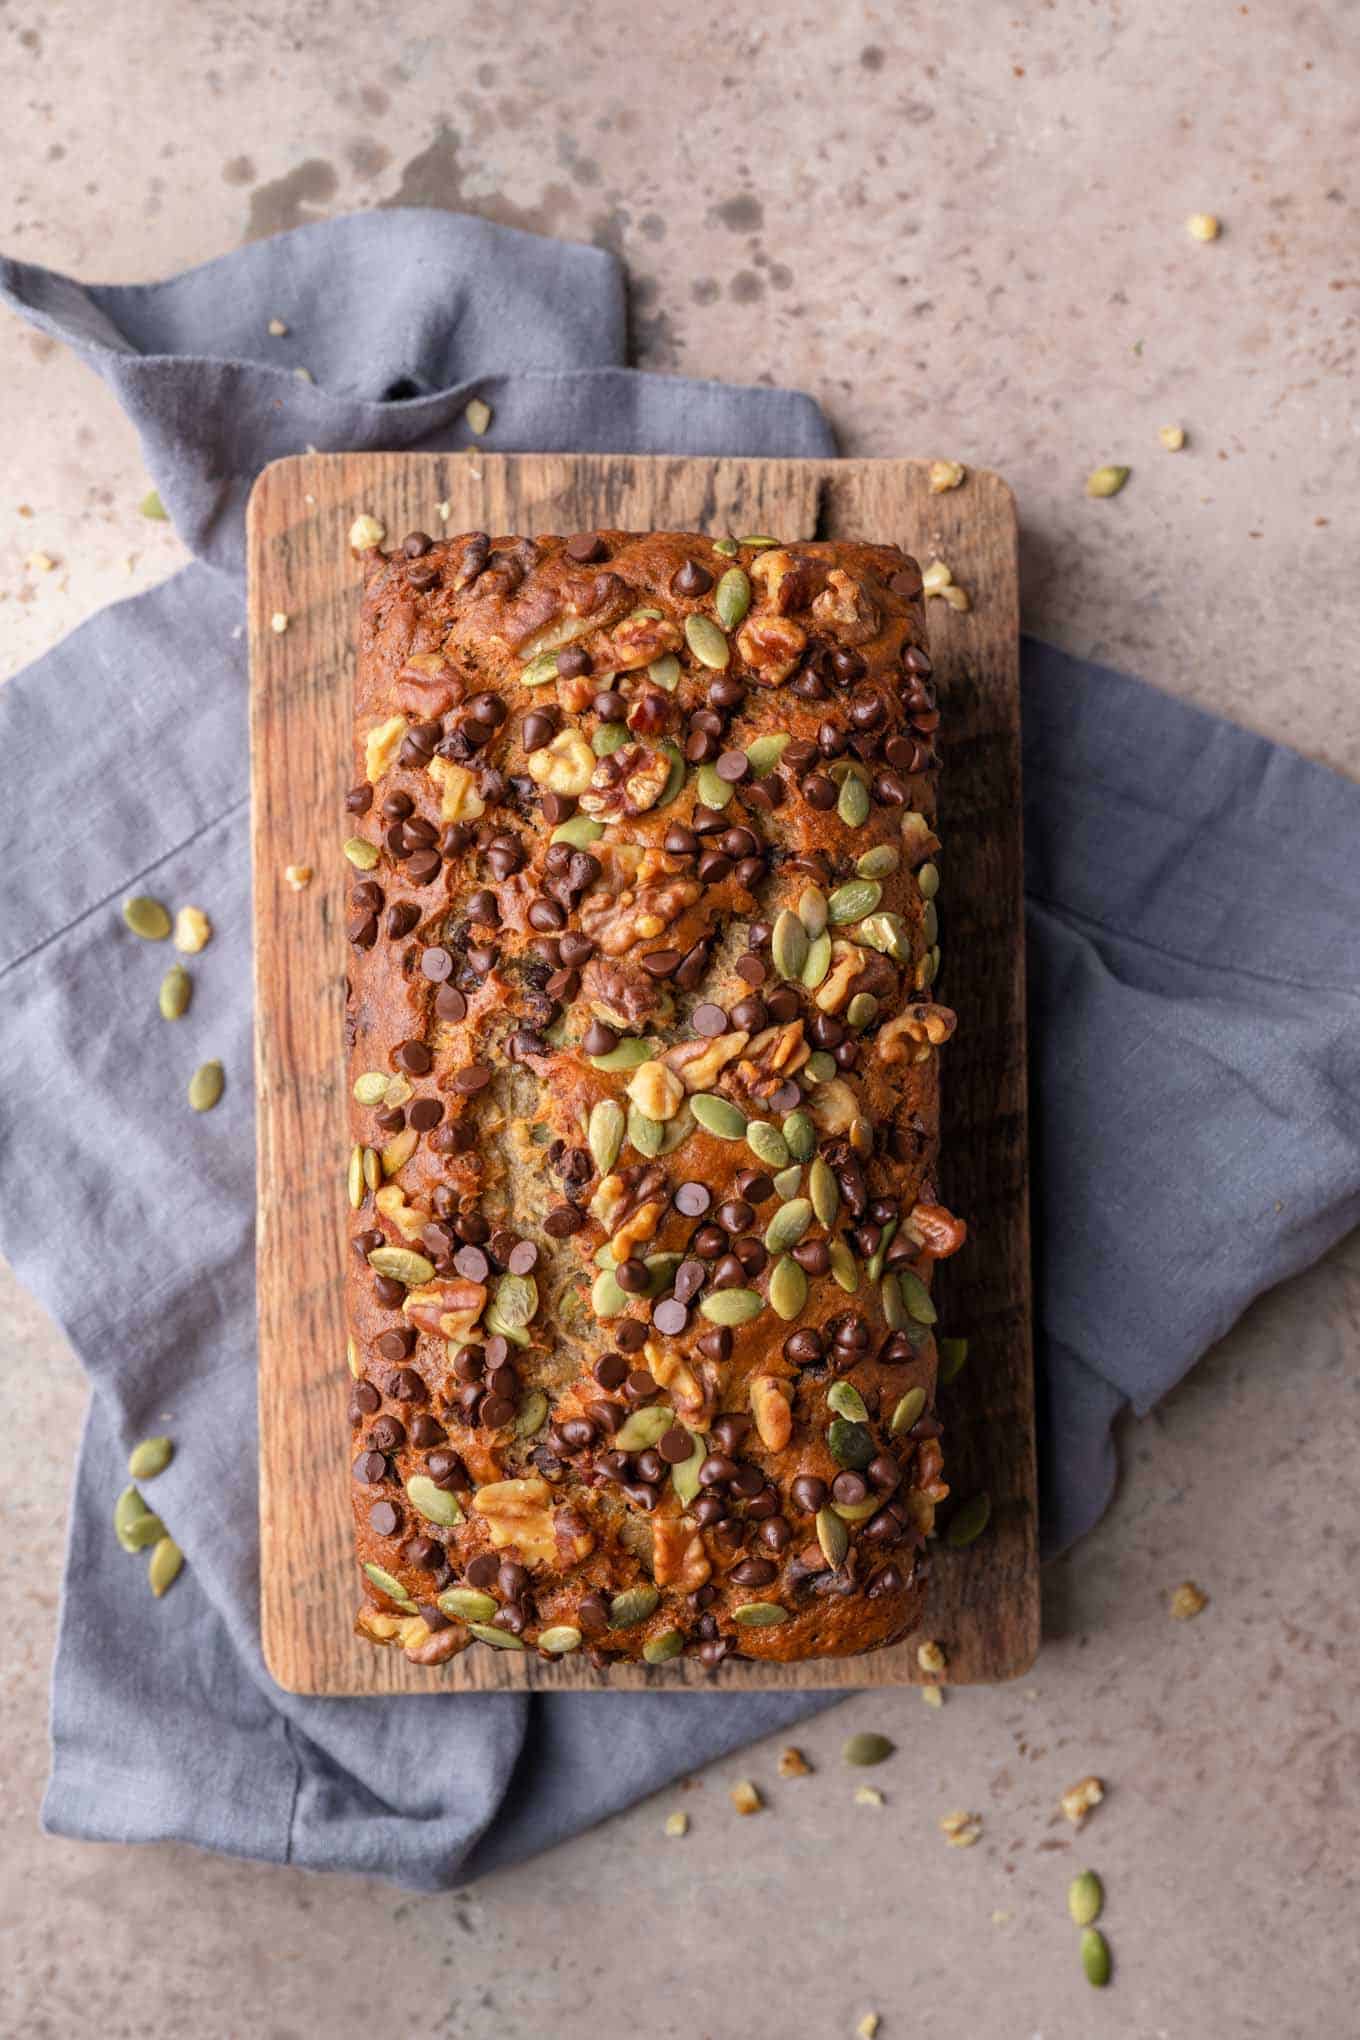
x: 692, y: 1199
x: 670, y: 1316
x: 425, y: 1114
x: 406, y: 1386
x: 631, y: 1335
x: 691, y: 579
x: 522, y: 1258
x: 661, y: 963
x: 472, y: 1264
x: 585, y: 548
x: 751, y: 970
x: 414, y: 1058
x: 562, y: 1221
x: 475, y: 1077
x: 732, y: 767
x: 709, y: 1020
x: 371, y: 1468
x: 385, y: 1518
x: 483, y: 1571
x: 359, y: 799
x: 449, y: 1002
x: 809, y: 1492
x: 599, y: 1039
x: 362, y: 930
x: 680, y: 841
x: 436, y: 965
x: 366, y: 1398
x: 754, y: 1572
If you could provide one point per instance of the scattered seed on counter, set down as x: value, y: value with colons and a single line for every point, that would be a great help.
x: 968, y: 1522
x: 1095, y: 1957
x: 193, y: 931
x: 1204, y: 226
x: 134, y: 1525
x: 868, y: 1795
x: 304, y: 375
x: 866, y: 1748
x: 150, y: 1457
x: 175, y: 993
x: 1187, y: 1602
x: 1079, y: 1799
x: 152, y: 506
x: 206, y: 1085
x: 1085, y: 1899
x: 1172, y: 437
x: 745, y: 1797
x: 1107, y: 481
x: 933, y: 1696
x: 793, y: 1764
x: 147, y: 918
x: 478, y: 414
x: 164, y: 1565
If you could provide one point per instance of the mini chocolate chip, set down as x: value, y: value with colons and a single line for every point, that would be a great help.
x: 585, y: 548
x: 371, y: 1468
x: 475, y: 1077
x: 425, y: 1114
x: 691, y: 579
x: 709, y: 1020
x: 385, y: 1518
x: 414, y: 1058
x: 436, y: 965
x: 449, y: 1002
x: 669, y: 1315
x: 599, y: 1039
x: 732, y: 767
x: 359, y: 799
x: 692, y: 1199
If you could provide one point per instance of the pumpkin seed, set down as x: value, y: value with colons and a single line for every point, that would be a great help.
x: 401, y: 1264
x: 659, y: 1650
x: 908, y: 1409
x: 788, y: 944
x: 800, y: 1136
x: 845, y: 1399
x: 146, y: 917
x: 676, y: 778
x: 1085, y: 1899
x: 844, y: 1267
x: 465, y: 1604
x: 151, y: 1457
x: 862, y: 1010
x: 665, y: 672
x: 393, y: 1588
x: 608, y: 738
x: 788, y: 1225
x: 435, y: 1504
x: 606, y: 1298
x: 826, y: 1198
x: 759, y: 1614
x: 1095, y: 1949
x: 866, y: 1748
x: 685, y: 1476
x: 719, y: 1116
x: 134, y: 1525
x: 646, y: 1135
x: 818, y: 962
x: 164, y: 1566
x: 953, y: 1354
x: 928, y: 878
x: 967, y: 1523
x: 894, y: 1309
x: 604, y: 1133
x: 788, y: 1181
x: 853, y: 900
x: 873, y: 1267
x: 726, y: 546
x: 372, y: 1167
x: 644, y: 1427
x: 354, y: 1178
x: 764, y: 753
x: 853, y: 804
x: 370, y: 1088
x: 916, y: 1297
x: 833, y: 1536
x: 631, y: 1053
x: 712, y: 791
x: 755, y: 544
x: 788, y: 1288
x: 361, y: 853
x: 175, y: 993
x: 858, y: 1512
x: 643, y: 610
x: 499, y: 1639
x: 352, y: 1360
x: 930, y: 924
x: 532, y: 1414
x: 888, y: 934
x: 812, y: 909
x: 733, y: 1306
x: 561, y: 1640
x: 676, y: 1131
x: 880, y: 862
x: 820, y: 1067
x: 580, y: 831
x: 707, y: 642
x: 205, y: 1086
x: 767, y: 1144
x: 661, y: 1268
x: 850, y: 1445
x: 733, y: 598
x: 539, y: 671
x: 632, y: 1606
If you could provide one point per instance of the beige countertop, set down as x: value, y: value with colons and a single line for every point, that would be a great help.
x: 966, y: 235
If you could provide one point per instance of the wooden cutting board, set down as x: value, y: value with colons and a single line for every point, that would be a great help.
x: 984, y: 1601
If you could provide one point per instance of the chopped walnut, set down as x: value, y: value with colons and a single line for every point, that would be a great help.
x: 365, y: 533
x: 1187, y: 1602
x: 447, y: 1310
x: 844, y: 610
x: 678, y: 1556
x: 519, y: 1512
x: 933, y: 1695
x: 930, y: 1657
x: 377, y: 1623
x: 635, y: 641
x: 656, y: 1091
x: 777, y: 1053
x: 676, y: 1376
x: 629, y: 783
x: 771, y: 1405
x: 833, y: 1106
x: 847, y: 963
x: 771, y: 647
x: 619, y: 922
x: 786, y: 581
x: 745, y: 1797
x: 639, y: 1227
x: 868, y: 1795
x: 945, y: 475
x: 610, y: 1201
x: 297, y: 876
x: 923, y: 1022
x: 459, y: 800
x: 793, y: 1764
x: 566, y: 765
x: 699, y: 1064
x: 938, y: 1233
x: 677, y: 1823
x: 435, y: 1646
x: 1079, y: 1799
x: 867, y: 2028
x: 409, y: 1220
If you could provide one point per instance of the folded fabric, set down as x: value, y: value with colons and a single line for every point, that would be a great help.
x: 1194, y: 965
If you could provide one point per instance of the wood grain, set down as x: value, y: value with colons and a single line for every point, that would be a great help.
x: 984, y: 1604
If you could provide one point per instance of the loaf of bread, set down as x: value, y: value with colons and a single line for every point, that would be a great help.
x: 643, y: 1054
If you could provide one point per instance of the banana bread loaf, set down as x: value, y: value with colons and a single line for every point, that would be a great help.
x: 643, y: 1055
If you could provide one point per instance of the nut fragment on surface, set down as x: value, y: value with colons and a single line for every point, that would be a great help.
x: 938, y: 580
x: 745, y: 1797
x: 193, y: 930
x: 793, y: 1764
x: 930, y: 1656
x: 277, y: 329
x: 297, y: 876
x: 961, y: 1829
x: 868, y: 1795
x: 1187, y: 1602
x: 1107, y: 481
x: 1204, y: 226
x: 868, y: 2026
x: 945, y: 475
x: 677, y: 1823
x: 40, y: 563
x: 279, y: 621
x: 933, y: 1696
x: 365, y: 533
x: 478, y: 414
x: 1172, y: 437
x: 1079, y: 1799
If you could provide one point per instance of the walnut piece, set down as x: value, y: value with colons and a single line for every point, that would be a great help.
x: 447, y: 1310
x: 381, y: 746
x: 699, y: 1064
x: 844, y: 610
x: 937, y: 1231
x: 745, y: 1797
x: 656, y: 1091
x: 678, y: 1556
x: 1187, y: 1602
x: 566, y: 765
x: 519, y: 1512
x: 459, y: 800
x: 771, y: 647
x: 771, y: 1401
x: 793, y: 1764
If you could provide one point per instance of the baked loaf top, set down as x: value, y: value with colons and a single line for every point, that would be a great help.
x: 643, y: 1054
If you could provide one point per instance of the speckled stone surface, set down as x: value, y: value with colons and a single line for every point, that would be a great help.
x: 965, y: 235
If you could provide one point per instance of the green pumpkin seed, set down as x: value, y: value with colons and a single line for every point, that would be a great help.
x: 465, y: 1604
x: 853, y: 804
x: 888, y: 934
x: 435, y: 1504
x: 352, y: 1360
x: 967, y: 1523
x: 659, y: 1650
x: 499, y: 1639
x: 400, y: 1264
x: 134, y: 1525
x: 759, y: 1614
x: 632, y: 1606
x: 728, y: 547
x: 665, y: 672
x: 845, y: 1399
x: 661, y: 1268
x: 767, y: 1144
x: 733, y: 1306
x: 647, y: 1135
x: 580, y: 831
x: 788, y: 1289
x: 833, y: 1536
x: 788, y: 1225
x: 685, y: 1476
x: 812, y: 909
x: 788, y: 1182
x: 894, y: 1309
x: 643, y: 610
x: 176, y: 990
x: 608, y: 738
x: 844, y: 1267
x: 515, y: 1302
x: 707, y: 642
x: 822, y: 1189
x: 858, y: 1512
x: 1095, y: 1957
x: 561, y: 1640
x: 873, y: 1267
x: 953, y: 1355
x: 361, y: 853
x: 764, y: 753
x: 820, y: 1067
x: 370, y: 1088
x: 604, y: 1133
x: 532, y: 1413
x: 712, y: 791
x: 676, y: 778
x: 908, y: 1410
x: 733, y: 598
x: 205, y: 1086
x: 393, y: 1588
x: 164, y: 1566
x: 866, y: 1748
x: 759, y: 542
x: 630, y: 1054
x: 152, y: 506
x: 354, y: 1177
x: 916, y: 1297
x: 928, y: 879
x: 644, y: 1427
x: 151, y: 1457
x: 539, y: 671
x: 676, y: 1131
x: 1085, y: 1899
x: 372, y: 1164
x: 818, y: 962
x: 606, y: 1298
x: 719, y: 1116
x: 850, y: 1445
x: 880, y: 862
x: 853, y: 900
x: 788, y: 944
x: 800, y: 1136
x: 930, y: 924
x: 147, y: 918
x: 862, y: 1010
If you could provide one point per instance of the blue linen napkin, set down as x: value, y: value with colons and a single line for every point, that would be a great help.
x: 1194, y: 964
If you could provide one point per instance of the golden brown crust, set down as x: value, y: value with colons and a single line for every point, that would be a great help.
x: 644, y: 1053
